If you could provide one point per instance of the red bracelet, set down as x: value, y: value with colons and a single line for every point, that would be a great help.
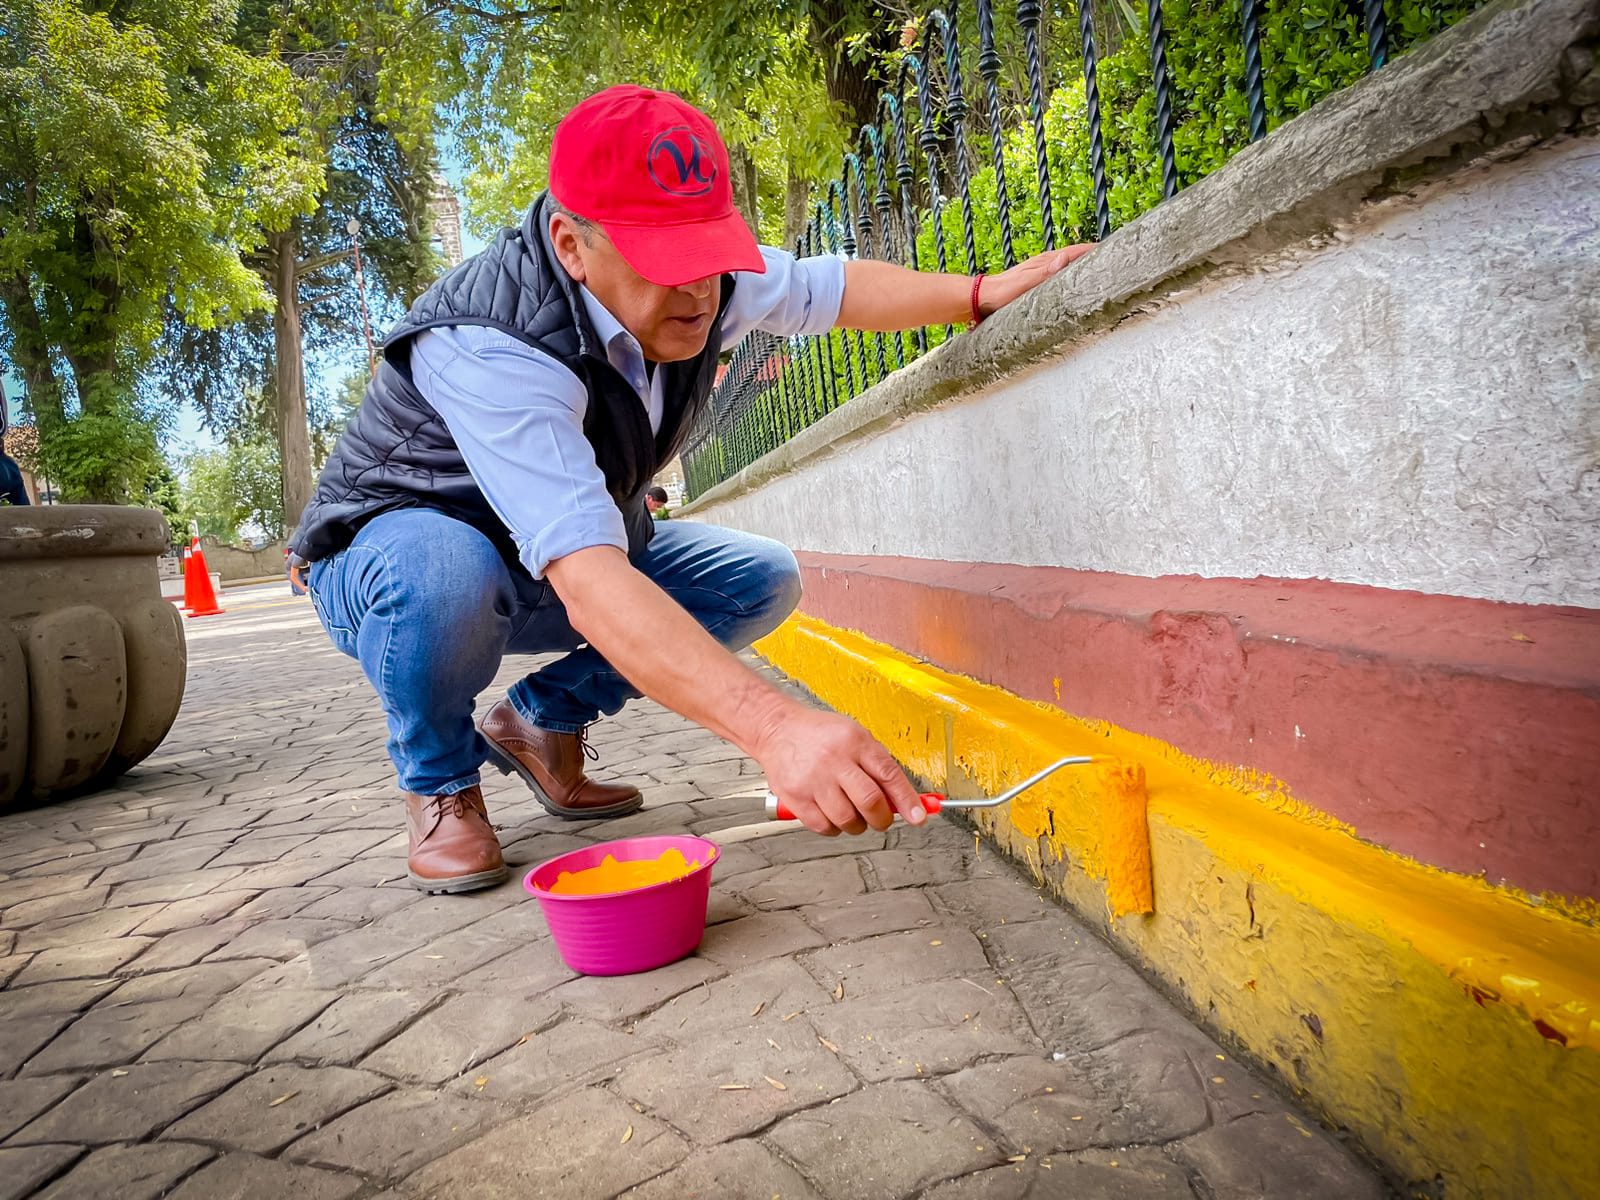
x: 977, y: 282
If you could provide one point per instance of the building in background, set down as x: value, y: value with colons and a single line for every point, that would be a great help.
x: 445, y: 209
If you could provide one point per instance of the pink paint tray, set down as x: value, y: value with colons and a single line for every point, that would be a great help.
x: 623, y: 933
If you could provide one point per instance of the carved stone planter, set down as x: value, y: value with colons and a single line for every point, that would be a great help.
x: 92, y: 659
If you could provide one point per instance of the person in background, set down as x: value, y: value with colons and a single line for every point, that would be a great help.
x: 12, y: 490
x: 656, y: 501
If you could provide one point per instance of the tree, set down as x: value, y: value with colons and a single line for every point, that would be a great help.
x: 377, y: 170
x: 141, y: 154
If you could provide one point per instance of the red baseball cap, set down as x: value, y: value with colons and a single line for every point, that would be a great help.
x: 652, y: 171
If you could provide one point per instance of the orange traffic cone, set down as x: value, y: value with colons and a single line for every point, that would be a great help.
x: 199, y: 597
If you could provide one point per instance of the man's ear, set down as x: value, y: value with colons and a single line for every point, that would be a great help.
x: 564, y: 236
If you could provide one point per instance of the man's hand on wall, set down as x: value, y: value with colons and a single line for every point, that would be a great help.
x: 832, y: 774
x: 997, y: 291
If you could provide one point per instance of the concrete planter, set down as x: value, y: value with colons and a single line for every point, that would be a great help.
x: 92, y: 659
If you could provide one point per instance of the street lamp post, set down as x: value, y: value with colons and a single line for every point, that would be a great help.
x: 354, y: 228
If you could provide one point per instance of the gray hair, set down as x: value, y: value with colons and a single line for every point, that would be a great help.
x: 586, y: 227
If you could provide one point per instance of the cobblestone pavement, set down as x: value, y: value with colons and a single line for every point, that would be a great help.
x: 219, y: 985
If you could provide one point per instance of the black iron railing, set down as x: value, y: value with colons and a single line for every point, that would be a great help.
x: 907, y: 191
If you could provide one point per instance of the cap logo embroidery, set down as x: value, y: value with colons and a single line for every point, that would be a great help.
x: 679, y: 163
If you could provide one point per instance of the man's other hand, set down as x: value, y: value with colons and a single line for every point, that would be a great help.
x: 997, y: 291
x: 833, y: 775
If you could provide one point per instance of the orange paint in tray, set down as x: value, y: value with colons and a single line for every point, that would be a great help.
x: 626, y: 876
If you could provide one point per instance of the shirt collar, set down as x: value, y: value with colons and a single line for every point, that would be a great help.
x: 617, y: 340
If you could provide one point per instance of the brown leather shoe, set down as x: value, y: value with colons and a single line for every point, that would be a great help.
x: 551, y: 764
x: 452, y: 846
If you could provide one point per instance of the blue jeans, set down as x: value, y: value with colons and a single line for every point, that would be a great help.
x: 428, y: 607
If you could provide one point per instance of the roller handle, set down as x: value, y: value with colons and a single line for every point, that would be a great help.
x: 777, y: 810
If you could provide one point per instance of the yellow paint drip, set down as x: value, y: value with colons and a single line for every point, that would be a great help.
x: 626, y: 876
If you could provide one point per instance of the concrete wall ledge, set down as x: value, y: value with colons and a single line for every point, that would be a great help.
x: 1516, y: 73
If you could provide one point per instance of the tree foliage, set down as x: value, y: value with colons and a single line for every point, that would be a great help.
x: 142, y: 154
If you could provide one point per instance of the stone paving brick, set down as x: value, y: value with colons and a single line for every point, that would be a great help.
x: 278, y: 939
x: 439, y: 962
x: 736, y: 860
x: 733, y: 1169
x: 87, y: 859
x: 23, y: 1170
x: 535, y: 967
x: 899, y: 868
x: 763, y: 936
x: 267, y: 1110
x: 197, y: 910
x: 279, y: 903
x: 866, y: 916
x: 1042, y: 1107
x: 925, y: 1030
x: 917, y: 1139
x: 562, y: 1056
x: 616, y: 998
x: 111, y: 1036
x: 350, y: 1027
x: 791, y: 885
x: 392, y: 1136
x: 736, y: 1081
x: 242, y: 1026
x: 20, y: 891
x: 339, y: 960
x: 159, y: 861
x: 804, y: 846
x: 12, y: 964
x: 1275, y: 1154
x: 1132, y: 1174
x: 458, y: 1035
x: 47, y: 908
x: 990, y: 903
x: 71, y: 932
x: 895, y: 960
x: 186, y: 947
x: 128, y: 1172
x: 587, y: 1147
x: 247, y: 1177
x: 21, y: 1100
x: 67, y: 996
x: 359, y: 906
x: 129, y: 1104
x: 765, y: 993
x: 1178, y: 1086
x: 22, y: 1037
x: 181, y: 885
x: 1081, y: 994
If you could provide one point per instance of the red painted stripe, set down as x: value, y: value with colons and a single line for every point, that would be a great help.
x: 1463, y: 733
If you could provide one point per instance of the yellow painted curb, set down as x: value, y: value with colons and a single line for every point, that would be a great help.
x: 1454, y: 1026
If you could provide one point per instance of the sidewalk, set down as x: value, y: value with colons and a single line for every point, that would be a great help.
x: 218, y: 984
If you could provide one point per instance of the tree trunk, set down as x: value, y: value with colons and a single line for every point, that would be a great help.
x: 31, y: 352
x: 744, y: 186
x: 294, y: 434
x: 795, y: 196
x: 849, y: 82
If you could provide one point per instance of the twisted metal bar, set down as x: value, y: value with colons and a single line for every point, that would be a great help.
x: 1158, y: 67
x: 928, y: 139
x: 989, y: 69
x: 1097, y: 150
x: 884, y: 203
x: 839, y: 190
x: 852, y: 166
x: 1377, y: 33
x: 1029, y: 16
x: 904, y: 177
x: 1254, y: 93
x: 955, y: 104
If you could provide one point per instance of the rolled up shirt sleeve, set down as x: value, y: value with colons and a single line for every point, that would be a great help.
x: 795, y: 296
x: 516, y: 415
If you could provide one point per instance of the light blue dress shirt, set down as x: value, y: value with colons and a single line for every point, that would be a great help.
x: 517, y: 414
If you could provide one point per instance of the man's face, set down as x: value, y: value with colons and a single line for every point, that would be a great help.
x: 670, y: 323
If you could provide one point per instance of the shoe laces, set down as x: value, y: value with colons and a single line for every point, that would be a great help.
x: 457, y: 804
x: 589, y: 751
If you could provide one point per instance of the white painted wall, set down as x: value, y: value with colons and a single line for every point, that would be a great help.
x: 1414, y: 405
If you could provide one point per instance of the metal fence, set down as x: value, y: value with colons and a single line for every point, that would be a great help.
x: 907, y: 194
